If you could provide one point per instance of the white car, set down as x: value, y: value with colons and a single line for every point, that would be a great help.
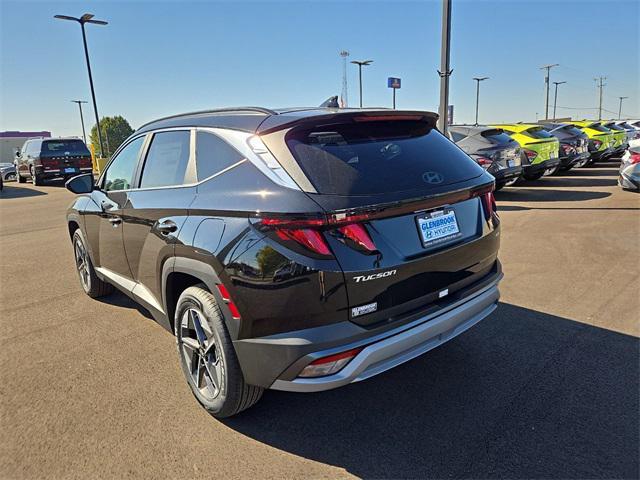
x: 633, y: 131
x: 629, y: 178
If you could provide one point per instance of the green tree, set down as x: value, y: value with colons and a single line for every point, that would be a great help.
x: 115, y: 130
x: 268, y: 260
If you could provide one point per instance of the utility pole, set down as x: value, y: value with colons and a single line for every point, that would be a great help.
x: 445, y: 67
x: 546, y: 84
x: 600, y: 85
x: 555, y: 98
x: 344, y: 100
x: 478, y: 80
x: 88, y: 18
x: 360, y: 64
x: 620, y: 108
x: 80, y: 102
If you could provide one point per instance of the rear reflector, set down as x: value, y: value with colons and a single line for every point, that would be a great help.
x: 224, y: 293
x: 329, y: 365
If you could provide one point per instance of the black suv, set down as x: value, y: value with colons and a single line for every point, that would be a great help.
x: 574, y: 144
x: 298, y: 249
x: 47, y: 158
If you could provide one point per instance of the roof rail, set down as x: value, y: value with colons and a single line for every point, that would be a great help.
x: 266, y: 111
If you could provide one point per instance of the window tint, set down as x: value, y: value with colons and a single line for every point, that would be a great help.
x: 497, y: 136
x: 456, y: 136
x: 119, y: 175
x: 213, y: 155
x: 378, y: 156
x: 537, y: 132
x: 167, y: 159
x: 74, y: 147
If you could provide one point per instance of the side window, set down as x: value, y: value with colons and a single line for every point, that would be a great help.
x: 213, y: 155
x: 167, y: 159
x: 25, y: 148
x: 119, y: 175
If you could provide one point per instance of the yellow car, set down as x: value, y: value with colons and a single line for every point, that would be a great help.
x: 619, y: 137
x: 601, y: 141
x: 539, y: 149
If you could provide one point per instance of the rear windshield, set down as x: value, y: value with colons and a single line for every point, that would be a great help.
x: 378, y: 156
x: 538, y: 132
x: 74, y: 147
x: 614, y: 127
x: 599, y: 128
x: 497, y: 136
x: 572, y: 130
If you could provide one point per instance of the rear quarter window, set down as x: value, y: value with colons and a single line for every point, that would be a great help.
x: 372, y: 157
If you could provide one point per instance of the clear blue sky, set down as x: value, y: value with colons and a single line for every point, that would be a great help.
x: 162, y: 57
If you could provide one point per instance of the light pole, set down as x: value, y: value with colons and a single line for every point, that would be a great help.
x: 620, y: 108
x: 87, y: 18
x: 80, y: 102
x: 360, y: 64
x: 600, y: 86
x: 478, y: 80
x: 555, y: 98
x: 546, y: 84
x: 445, y: 67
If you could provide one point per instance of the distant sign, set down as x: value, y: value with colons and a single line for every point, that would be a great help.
x: 393, y: 82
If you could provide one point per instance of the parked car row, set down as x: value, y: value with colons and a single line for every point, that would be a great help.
x: 521, y: 151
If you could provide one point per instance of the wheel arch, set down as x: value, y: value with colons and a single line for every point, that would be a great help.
x: 181, y: 273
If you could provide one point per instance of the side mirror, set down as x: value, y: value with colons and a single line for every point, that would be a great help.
x: 18, y: 154
x: 80, y: 184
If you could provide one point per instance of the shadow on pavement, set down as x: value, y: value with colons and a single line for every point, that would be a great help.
x: 119, y: 299
x: 535, y: 195
x: 523, y: 394
x: 561, y: 182
x: 586, y: 172
x: 13, y: 191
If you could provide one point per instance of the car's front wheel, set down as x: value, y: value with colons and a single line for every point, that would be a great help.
x: 91, y: 284
x: 207, y: 356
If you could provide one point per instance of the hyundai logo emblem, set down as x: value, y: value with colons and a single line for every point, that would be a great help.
x: 432, y: 177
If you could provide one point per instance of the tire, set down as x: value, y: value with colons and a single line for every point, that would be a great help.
x: 227, y: 394
x: 35, y: 178
x: 533, y: 176
x: 20, y: 178
x: 11, y: 177
x: 89, y: 281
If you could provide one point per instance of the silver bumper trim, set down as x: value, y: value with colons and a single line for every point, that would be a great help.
x: 402, y: 347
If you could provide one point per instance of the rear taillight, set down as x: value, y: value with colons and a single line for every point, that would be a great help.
x: 634, y: 158
x: 49, y: 163
x: 329, y: 365
x: 597, y: 144
x: 85, y: 162
x: 357, y: 233
x: 489, y: 205
x: 484, y: 162
x: 224, y: 293
x: 531, y: 155
x: 568, y: 149
x: 309, y: 232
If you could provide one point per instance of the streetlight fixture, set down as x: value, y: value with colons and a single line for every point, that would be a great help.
x: 620, y: 109
x: 478, y: 80
x: 546, y: 84
x: 88, y: 18
x: 360, y: 64
x: 80, y: 102
x: 555, y: 98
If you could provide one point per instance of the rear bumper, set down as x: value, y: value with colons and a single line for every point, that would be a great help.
x: 542, y: 166
x: 601, y: 154
x: 506, y: 174
x: 398, y: 346
x: 571, y: 160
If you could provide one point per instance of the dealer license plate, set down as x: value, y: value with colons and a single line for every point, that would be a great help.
x: 437, y: 227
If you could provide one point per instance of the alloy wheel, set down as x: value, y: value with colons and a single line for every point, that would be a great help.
x: 82, y: 264
x: 199, y: 346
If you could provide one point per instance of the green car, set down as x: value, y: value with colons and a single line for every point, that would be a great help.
x: 601, y: 139
x: 619, y: 137
x: 539, y: 149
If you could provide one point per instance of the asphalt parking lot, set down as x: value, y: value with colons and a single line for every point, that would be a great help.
x: 547, y: 387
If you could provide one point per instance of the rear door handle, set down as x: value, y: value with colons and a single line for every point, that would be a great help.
x: 115, y: 221
x: 167, y: 227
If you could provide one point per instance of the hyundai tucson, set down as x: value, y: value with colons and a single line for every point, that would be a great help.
x: 297, y: 250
